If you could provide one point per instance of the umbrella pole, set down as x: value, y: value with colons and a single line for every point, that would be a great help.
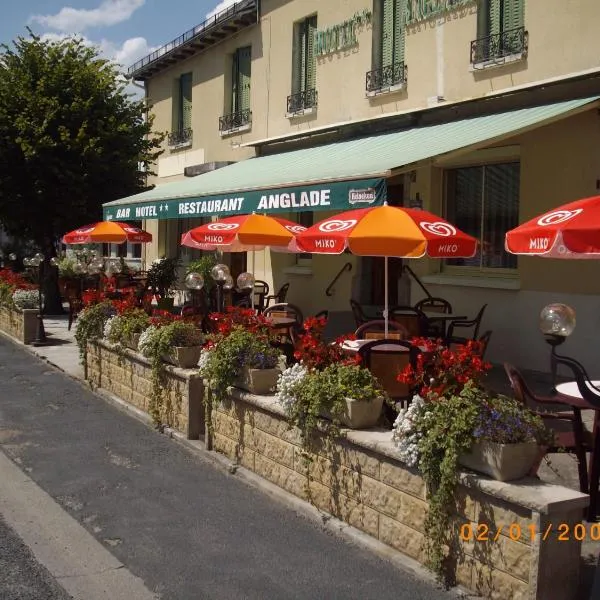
x: 253, y: 262
x: 385, y: 310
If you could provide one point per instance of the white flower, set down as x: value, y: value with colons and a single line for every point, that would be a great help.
x: 108, y: 326
x: 25, y: 298
x: 145, y: 339
x: 286, y: 383
x: 404, y: 434
x: 204, y: 361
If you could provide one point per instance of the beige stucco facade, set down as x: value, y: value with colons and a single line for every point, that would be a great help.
x: 559, y: 161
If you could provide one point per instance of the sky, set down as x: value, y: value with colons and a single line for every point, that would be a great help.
x: 123, y: 30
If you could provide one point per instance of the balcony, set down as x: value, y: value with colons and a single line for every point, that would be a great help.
x: 241, y: 14
x: 386, y: 79
x: 302, y: 103
x: 180, y: 139
x: 499, y: 49
x: 236, y: 122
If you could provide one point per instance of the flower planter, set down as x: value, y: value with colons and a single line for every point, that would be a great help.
x: 359, y: 414
x: 186, y: 357
x: 262, y: 382
x: 503, y: 462
x: 133, y: 341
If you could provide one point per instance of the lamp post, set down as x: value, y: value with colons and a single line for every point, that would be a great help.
x: 557, y: 323
x: 194, y: 282
x: 245, y: 285
x: 35, y: 263
x: 220, y: 274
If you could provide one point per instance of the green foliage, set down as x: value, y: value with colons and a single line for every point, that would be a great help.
x: 203, y: 266
x: 90, y: 326
x: 71, y: 137
x: 123, y: 326
x: 6, y: 292
x: 231, y: 353
x: 155, y: 344
x: 324, y: 393
x: 162, y: 275
x: 447, y: 428
x: 66, y: 267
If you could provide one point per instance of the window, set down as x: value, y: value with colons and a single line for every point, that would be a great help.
x: 181, y: 133
x: 484, y: 202
x: 500, y: 30
x: 388, y: 55
x: 239, y: 97
x: 304, y: 75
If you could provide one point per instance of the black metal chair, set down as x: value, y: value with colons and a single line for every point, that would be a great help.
x: 484, y: 340
x: 412, y: 318
x: 286, y: 334
x: 473, y: 324
x: 563, y: 420
x: 360, y: 316
x: 279, y: 297
x: 375, y: 330
x: 435, y: 329
x: 260, y: 292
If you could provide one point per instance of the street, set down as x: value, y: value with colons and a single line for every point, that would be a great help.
x: 124, y: 500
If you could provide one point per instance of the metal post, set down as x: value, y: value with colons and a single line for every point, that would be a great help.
x: 40, y: 338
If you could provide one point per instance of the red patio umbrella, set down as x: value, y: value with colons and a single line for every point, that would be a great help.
x: 387, y: 231
x: 569, y: 231
x: 107, y: 232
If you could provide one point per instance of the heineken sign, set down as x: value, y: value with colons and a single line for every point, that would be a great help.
x: 421, y: 10
x: 342, y: 36
x: 336, y: 196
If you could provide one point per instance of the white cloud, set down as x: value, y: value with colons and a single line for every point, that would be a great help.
x: 110, y: 12
x: 221, y: 6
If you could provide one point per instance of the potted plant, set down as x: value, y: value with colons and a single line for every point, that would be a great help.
x: 178, y: 343
x: 345, y: 393
x: 126, y: 328
x: 241, y: 358
x: 462, y: 424
x: 204, y: 266
x: 25, y: 299
x: 162, y: 276
x: 90, y: 325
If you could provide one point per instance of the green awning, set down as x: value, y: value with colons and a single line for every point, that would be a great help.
x: 336, y: 176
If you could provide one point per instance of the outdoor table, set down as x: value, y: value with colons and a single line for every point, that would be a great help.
x: 285, y: 325
x: 355, y: 345
x: 569, y: 392
x: 432, y: 315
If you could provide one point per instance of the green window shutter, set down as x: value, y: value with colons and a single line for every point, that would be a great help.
x: 244, y: 76
x: 311, y: 75
x: 176, y: 105
x: 512, y: 14
x: 399, y: 12
x: 185, y: 82
x: 494, y: 17
x: 235, y: 78
x: 302, y: 57
x: 387, y: 32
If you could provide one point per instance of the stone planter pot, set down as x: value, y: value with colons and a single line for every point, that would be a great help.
x: 133, y: 341
x: 186, y: 357
x: 359, y: 414
x: 503, y: 462
x: 262, y: 382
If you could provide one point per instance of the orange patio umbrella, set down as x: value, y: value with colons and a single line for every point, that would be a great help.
x: 107, y: 232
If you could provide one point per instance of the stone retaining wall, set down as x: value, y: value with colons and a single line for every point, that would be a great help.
x: 362, y: 483
x: 128, y: 375
x: 20, y: 324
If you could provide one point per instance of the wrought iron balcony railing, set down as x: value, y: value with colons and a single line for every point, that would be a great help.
x: 179, y: 138
x: 235, y: 120
x: 301, y: 101
x: 512, y: 42
x: 386, y: 77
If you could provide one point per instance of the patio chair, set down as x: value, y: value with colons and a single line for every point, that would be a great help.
x: 279, y: 297
x: 260, y: 292
x: 375, y: 330
x: 287, y: 334
x: 386, y: 358
x: 360, y: 316
x: 411, y: 318
x: 434, y: 329
x: 472, y: 324
x: 564, y: 421
x: 484, y: 340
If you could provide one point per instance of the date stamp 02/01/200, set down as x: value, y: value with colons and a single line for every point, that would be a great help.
x: 563, y: 532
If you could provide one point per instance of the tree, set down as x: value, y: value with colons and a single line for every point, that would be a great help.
x: 71, y: 138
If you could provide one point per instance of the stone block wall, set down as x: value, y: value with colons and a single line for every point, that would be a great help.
x: 360, y: 482
x: 19, y: 324
x: 128, y: 375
